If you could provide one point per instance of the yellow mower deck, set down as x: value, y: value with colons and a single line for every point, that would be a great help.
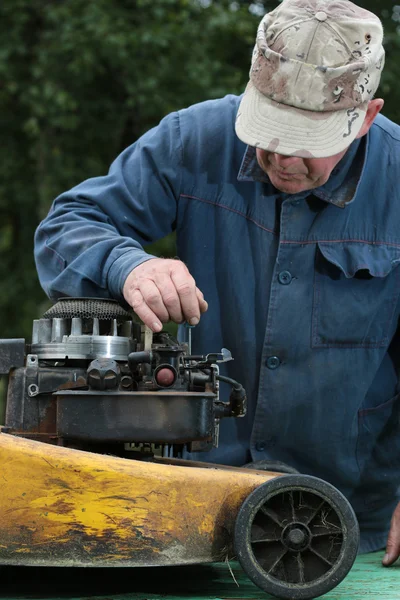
x: 65, y: 507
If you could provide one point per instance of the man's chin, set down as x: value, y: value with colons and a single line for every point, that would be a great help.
x: 290, y: 187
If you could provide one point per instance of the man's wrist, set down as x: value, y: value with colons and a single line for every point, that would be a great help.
x: 120, y: 269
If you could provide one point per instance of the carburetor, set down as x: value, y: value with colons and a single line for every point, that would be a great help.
x: 94, y: 379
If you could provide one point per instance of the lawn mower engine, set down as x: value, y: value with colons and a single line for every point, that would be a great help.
x: 94, y: 379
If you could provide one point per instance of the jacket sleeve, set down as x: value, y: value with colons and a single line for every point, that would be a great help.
x: 94, y: 234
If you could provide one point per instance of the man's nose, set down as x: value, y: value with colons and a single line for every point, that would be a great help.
x: 283, y: 162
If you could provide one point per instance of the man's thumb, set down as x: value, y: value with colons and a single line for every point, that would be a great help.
x: 392, y: 548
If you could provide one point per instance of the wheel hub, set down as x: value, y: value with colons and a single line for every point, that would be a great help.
x: 296, y: 537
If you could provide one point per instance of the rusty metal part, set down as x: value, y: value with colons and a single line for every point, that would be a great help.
x: 170, y: 416
x: 12, y: 355
x: 32, y: 415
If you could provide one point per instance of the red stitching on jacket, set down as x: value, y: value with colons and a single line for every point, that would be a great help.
x: 340, y: 242
x: 231, y: 210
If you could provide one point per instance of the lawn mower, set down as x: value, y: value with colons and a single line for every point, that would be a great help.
x: 99, y: 410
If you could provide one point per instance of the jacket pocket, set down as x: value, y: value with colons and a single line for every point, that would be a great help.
x: 356, y: 289
x: 378, y: 452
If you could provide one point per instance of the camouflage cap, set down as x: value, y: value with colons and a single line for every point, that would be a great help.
x: 315, y: 66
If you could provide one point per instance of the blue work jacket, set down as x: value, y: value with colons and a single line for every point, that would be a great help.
x: 303, y: 289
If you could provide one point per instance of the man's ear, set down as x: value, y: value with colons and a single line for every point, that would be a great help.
x: 374, y: 107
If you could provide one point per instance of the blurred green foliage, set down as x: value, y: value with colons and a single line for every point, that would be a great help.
x: 82, y: 79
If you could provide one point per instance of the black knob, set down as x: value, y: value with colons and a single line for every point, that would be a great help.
x: 103, y: 374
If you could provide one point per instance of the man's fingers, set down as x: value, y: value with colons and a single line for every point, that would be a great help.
x: 202, y: 303
x: 162, y: 289
x: 144, y: 312
x: 170, y: 297
x: 154, y: 300
x: 393, y: 543
x: 186, y: 288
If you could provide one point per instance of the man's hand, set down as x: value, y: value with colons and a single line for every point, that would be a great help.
x: 161, y: 290
x: 393, y: 543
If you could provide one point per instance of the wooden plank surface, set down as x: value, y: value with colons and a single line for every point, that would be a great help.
x: 368, y: 580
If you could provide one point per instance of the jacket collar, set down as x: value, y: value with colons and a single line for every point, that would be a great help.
x: 340, y: 189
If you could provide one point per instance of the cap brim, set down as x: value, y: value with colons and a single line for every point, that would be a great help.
x: 291, y: 131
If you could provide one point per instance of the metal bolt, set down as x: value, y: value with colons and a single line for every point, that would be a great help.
x: 33, y: 390
x: 126, y: 382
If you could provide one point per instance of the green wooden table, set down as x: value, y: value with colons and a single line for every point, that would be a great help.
x: 368, y: 580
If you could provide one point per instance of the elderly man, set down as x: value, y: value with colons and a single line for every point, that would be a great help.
x: 290, y: 227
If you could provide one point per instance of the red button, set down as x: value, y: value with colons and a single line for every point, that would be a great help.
x: 165, y: 377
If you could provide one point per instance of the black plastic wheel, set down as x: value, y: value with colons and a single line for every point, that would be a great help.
x: 296, y: 537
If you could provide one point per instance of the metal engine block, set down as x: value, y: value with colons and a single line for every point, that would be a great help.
x: 94, y: 379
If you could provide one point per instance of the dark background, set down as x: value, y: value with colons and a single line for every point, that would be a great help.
x: 82, y: 79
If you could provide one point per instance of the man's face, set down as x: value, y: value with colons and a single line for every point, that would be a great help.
x: 291, y: 174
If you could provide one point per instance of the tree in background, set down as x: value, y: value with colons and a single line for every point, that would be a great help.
x: 82, y: 79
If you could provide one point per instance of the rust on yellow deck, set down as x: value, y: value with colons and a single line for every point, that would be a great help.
x: 65, y: 507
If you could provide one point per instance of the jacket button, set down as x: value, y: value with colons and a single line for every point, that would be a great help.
x: 273, y: 362
x: 260, y: 446
x: 285, y: 277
